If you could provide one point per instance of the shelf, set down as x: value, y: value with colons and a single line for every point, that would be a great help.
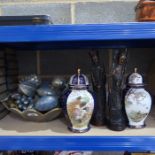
x: 82, y: 36
x: 14, y: 126
x: 17, y: 134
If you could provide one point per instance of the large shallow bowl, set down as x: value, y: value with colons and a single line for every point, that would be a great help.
x: 32, y: 114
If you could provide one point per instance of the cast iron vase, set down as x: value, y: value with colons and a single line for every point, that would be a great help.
x: 98, y: 78
x: 116, y: 84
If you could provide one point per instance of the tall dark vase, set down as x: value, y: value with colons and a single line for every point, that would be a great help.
x: 98, y: 78
x: 116, y: 83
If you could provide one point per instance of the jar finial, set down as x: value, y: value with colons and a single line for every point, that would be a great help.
x: 78, y: 71
x: 78, y: 79
x: 135, y: 69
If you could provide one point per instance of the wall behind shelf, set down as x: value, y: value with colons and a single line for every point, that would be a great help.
x: 70, y: 12
x: 73, y: 11
x: 65, y: 62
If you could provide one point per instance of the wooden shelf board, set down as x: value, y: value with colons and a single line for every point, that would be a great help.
x: 12, y: 125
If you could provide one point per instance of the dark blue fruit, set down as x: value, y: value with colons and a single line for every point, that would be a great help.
x: 46, y: 103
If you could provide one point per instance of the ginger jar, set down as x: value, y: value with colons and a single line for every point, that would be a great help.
x: 79, y: 104
x: 137, y: 101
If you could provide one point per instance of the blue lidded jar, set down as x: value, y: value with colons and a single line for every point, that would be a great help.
x: 78, y: 103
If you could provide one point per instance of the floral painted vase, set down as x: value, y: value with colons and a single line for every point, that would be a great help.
x: 79, y: 104
x: 137, y: 101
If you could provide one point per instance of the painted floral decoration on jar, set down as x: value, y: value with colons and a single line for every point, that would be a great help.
x: 137, y: 101
x: 80, y: 103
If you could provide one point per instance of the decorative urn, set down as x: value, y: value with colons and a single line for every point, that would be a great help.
x: 79, y: 103
x: 137, y: 101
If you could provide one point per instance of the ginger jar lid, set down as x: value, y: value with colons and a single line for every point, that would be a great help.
x: 135, y: 79
x: 79, y: 80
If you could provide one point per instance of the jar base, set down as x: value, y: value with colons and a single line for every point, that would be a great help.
x: 78, y: 131
x: 137, y: 126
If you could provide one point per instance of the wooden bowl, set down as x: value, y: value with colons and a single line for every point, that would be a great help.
x: 32, y: 114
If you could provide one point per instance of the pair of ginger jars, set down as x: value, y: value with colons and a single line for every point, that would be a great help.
x: 79, y: 102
